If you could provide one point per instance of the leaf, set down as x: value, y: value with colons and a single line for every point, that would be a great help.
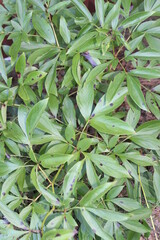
x: 80, y: 42
x: 111, y: 125
x: 127, y: 204
x: 113, y: 13
x: 82, y: 8
x: 95, y: 225
x: 21, y: 64
x: 151, y: 102
x: 135, y: 226
x: 156, y: 181
x: 76, y: 70
x: 140, y: 213
x: 96, y: 193
x: 14, y: 49
x: 9, y: 182
x: 149, y: 128
x: 106, y: 105
x: 95, y: 72
x: 64, y: 31
x: 51, y: 161
x: 50, y: 84
x: 38, y: 3
x: 135, y: 92
x: 108, y: 165
x: 99, y: 4
x: 147, y: 73
x: 147, y: 54
x: 20, y: 9
x: 84, y: 99
x: 135, y: 19
x: 43, y: 28
x: 59, y: 234
x: 34, y: 116
x: 137, y: 158
x: 85, y: 143
x: 71, y: 178
x: 146, y: 141
x: 91, y: 174
x: 34, y: 77
x: 69, y: 111
x: 3, y: 68
x: 12, y: 217
x: 53, y: 105
x: 58, y: 6
x: 109, y: 215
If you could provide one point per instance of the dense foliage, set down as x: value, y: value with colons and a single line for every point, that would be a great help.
x: 74, y: 163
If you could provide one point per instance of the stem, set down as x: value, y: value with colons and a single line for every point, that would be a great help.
x: 54, y: 32
x: 144, y: 194
x: 44, y: 220
x: 56, y: 176
x: 45, y: 175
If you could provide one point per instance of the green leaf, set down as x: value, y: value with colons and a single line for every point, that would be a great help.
x: 106, y: 105
x: 9, y: 182
x: 111, y: 125
x: 50, y: 84
x: 14, y: 49
x: 34, y: 77
x: 156, y: 181
x: 21, y: 64
x: 85, y: 97
x: 96, y: 193
x: 71, y: 178
x: 151, y: 102
x: 82, y: 8
x: 3, y: 68
x: 140, y: 213
x: 51, y: 161
x: 69, y: 111
x: 34, y: 116
x: 108, y: 165
x: 149, y: 128
x: 58, y: 6
x: 135, y: 226
x: 76, y: 70
x: 20, y: 9
x: 147, y: 73
x: 146, y: 141
x: 95, y: 225
x: 81, y: 42
x: 59, y: 234
x: 134, y: 89
x: 12, y: 217
x: 95, y: 72
x: 137, y: 158
x: 135, y: 19
x: 38, y: 3
x: 147, y: 54
x: 64, y: 31
x: 43, y: 28
x: 53, y: 105
x: 99, y: 4
x: 113, y: 13
x: 91, y: 174
x: 127, y: 204
x: 109, y: 215
x: 85, y: 143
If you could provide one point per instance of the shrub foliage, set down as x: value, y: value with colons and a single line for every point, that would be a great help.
x: 76, y: 159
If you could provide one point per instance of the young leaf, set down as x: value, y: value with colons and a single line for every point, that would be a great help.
x: 112, y: 14
x: 21, y: 64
